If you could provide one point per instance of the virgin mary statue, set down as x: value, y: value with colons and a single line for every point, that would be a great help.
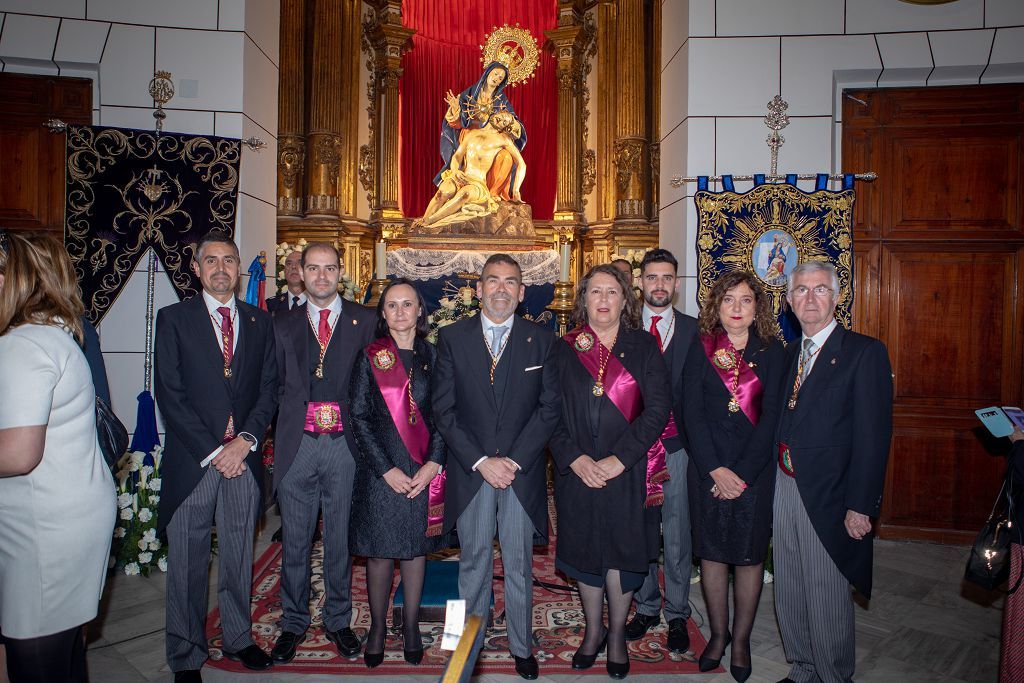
x: 472, y: 108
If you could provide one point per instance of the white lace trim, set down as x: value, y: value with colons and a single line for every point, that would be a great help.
x: 539, y: 267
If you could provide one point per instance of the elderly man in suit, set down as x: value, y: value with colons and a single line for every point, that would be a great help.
x: 216, y: 385
x: 317, y: 344
x: 295, y: 295
x: 833, y: 446
x: 675, y: 333
x: 496, y: 404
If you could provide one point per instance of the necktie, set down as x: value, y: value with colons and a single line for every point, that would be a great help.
x: 497, y: 335
x: 295, y: 301
x: 655, y: 319
x: 323, y: 332
x: 808, y: 353
x: 227, y: 336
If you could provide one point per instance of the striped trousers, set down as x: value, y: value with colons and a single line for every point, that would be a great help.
x: 233, y: 505
x: 813, y: 600
x: 1011, y: 655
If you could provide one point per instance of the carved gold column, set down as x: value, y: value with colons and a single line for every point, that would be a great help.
x: 326, y: 106
x: 632, y: 161
x: 606, y: 95
x: 388, y: 38
x: 566, y: 41
x: 291, y: 141
x: 350, y: 95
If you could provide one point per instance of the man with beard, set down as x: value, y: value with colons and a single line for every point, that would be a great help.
x: 496, y: 404
x: 675, y: 333
x: 313, y: 461
x: 295, y: 295
x: 216, y: 385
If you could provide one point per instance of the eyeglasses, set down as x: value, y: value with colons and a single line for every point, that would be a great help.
x: 802, y: 291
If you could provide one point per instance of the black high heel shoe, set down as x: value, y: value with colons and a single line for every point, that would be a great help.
x: 414, y: 657
x: 373, y: 659
x: 616, y: 670
x: 740, y: 673
x: 581, y: 662
x: 706, y: 663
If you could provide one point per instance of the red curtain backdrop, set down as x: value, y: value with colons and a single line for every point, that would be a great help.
x: 445, y: 55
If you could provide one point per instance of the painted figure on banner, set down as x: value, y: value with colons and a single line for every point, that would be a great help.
x: 772, y: 256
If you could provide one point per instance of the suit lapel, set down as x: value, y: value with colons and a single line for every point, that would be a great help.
x: 825, y: 366
x: 675, y: 357
x: 298, y: 323
x: 203, y: 329
x: 479, y: 359
x: 245, y: 329
x: 512, y: 358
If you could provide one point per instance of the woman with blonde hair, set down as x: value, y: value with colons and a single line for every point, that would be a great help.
x: 57, y: 499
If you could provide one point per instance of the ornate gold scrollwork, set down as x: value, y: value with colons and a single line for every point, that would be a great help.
x: 291, y: 158
x: 628, y: 156
x: 589, y: 173
x: 327, y: 153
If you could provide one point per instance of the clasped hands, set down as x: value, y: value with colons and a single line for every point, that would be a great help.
x: 597, y: 473
x: 230, y: 462
x: 728, y: 486
x: 414, y: 485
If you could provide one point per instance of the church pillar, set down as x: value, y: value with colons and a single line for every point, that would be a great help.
x: 326, y: 106
x: 291, y: 141
x: 349, y: 153
x: 632, y: 143
x: 566, y: 40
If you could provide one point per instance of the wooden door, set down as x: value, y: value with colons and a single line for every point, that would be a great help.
x: 31, y: 157
x: 938, y: 260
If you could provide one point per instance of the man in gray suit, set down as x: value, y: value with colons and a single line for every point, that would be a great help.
x: 675, y: 333
x: 833, y: 447
x: 496, y: 404
x: 216, y: 385
x: 317, y: 344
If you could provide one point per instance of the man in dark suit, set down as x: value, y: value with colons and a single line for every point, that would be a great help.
x: 295, y: 295
x: 833, y: 447
x: 675, y: 333
x: 216, y: 384
x: 317, y: 344
x: 496, y: 404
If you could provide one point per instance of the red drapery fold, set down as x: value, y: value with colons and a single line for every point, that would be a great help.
x: 445, y: 55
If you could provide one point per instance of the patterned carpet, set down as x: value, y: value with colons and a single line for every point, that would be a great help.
x: 557, y: 628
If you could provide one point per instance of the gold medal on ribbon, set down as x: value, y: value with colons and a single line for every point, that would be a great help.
x: 227, y: 372
x: 412, y: 418
x: 734, y: 405
x: 792, y: 403
x: 598, y: 389
x: 319, y: 371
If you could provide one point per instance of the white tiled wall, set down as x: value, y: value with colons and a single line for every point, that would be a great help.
x: 223, y: 55
x: 723, y: 60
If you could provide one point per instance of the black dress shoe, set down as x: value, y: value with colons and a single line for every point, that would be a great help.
x: 678, y: 638
x: 616, y: 670
x: 705, y: 663
x: 414, y: 657
x: 251, y: 657
x: 740, y: 673
x: 581, y: 661
x: 527, y: 667
x: 373, y: 659
x: 640, y: 624
x: 188, y: 676
x: 345, y: 640
x: 285, y: 647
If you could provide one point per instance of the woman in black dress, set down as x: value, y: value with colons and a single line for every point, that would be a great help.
x: 398, y: 494
x: 731, y: 403
x: 615, y: 404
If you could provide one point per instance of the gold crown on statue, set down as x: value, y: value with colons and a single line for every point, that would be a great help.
x: 514, y: 47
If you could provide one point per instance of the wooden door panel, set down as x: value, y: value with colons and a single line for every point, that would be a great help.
x: 961, y: 184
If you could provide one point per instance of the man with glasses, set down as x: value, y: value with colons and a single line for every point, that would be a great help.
x: 833, y: 446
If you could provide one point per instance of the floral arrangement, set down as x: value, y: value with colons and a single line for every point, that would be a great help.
x: 346, y: 287
x: 456, y: 305
x: 635, y: 258
x: 137, y: 550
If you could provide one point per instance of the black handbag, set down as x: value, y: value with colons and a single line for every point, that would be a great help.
x: 112, y: 435
x: 988, y: 564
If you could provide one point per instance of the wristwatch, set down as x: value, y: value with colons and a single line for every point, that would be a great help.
x: 248, y: 437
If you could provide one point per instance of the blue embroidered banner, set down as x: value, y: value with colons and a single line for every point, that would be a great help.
x: 770, y: 229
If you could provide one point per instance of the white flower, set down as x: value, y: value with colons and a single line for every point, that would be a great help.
x: 158, y: 455
x: 127, y: 514
x: 145, y: 515
x: 124, y: 500
x: 154, y: 499
x: 162, y: 563
x: 143, y: 545
x: 447, y: 303
x: 445, y: 323
x: 146, y: 557
x: 153, y: 484
x: 150, y: 535
x: 137, y: 457
x: 155, y: 545
x: 119, y: 532
x: 131, y: 569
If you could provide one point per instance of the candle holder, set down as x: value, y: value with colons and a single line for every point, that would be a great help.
x: 376, y: 289
x: 561, y: 305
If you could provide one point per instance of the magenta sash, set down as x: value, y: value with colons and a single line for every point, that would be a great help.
x: 393, y: 382
x: 748, y: 390
x: 621, y: 388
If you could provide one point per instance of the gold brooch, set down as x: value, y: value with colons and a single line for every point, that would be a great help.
x: 584, y: 342
x: 384, y: 359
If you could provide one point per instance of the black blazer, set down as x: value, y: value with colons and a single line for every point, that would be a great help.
x: 607, y: 528
x: 472, y: 423
x: 353, y: 331
x: 196, y: 399
x: 278, y: 303
x: 839, y: 437
x: 684, y: 335
x: 719, y: 438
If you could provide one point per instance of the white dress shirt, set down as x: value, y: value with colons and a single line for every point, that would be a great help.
x: 291, y: 299
x: 666, y: 326
x: 313, y: 312
x: 215, y: 318
x: 819, y: 340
